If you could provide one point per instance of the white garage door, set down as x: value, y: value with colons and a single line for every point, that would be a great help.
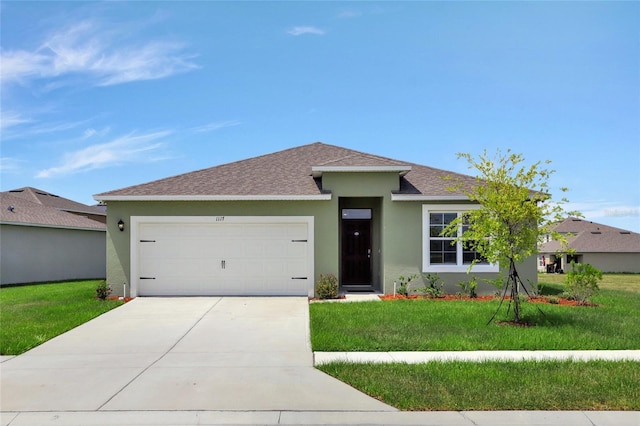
x: 223, y: 256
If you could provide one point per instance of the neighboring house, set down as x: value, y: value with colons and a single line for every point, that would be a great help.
x: 605, y: 247
x: 270, y: 225
x: 40, y: 242
x: 63, y: 204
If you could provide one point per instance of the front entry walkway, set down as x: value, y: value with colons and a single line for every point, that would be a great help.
x: 230, y: 353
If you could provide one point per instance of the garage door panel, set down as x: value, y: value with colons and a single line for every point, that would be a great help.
x: 213, y: 258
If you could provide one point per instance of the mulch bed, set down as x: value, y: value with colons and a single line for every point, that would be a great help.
x: 125, y: 299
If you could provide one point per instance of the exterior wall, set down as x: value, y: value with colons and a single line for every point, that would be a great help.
x: 607, y: 262
x: 325, y: 215
x: 614, y: 262
x: 397, y: 226
x: 40, y: 254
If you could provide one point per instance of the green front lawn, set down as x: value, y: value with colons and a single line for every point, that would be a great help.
x: 415, y: 325
x: 436, y: 325
x: 530, y: 385
x: 32, y: 314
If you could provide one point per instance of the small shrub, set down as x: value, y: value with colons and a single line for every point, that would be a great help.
x: 403, y: 288
x: 434, y: 285
x: 327, y: 287
x: 582, y: 282
x: 469, y: 287
x: 553, y: 300
x: 103, y: 290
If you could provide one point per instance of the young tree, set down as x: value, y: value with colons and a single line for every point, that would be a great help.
x: 517, y: 212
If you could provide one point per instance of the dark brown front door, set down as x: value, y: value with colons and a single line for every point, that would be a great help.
x: 356, y: 252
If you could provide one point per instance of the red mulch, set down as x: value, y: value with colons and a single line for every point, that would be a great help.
x: 536, y: 299
x: 125, y: 299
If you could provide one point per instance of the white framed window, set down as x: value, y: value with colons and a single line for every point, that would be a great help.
x: 440, y: 253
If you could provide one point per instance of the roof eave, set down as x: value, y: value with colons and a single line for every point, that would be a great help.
x: 46, y: 225
x: 276, y: 197
x: 317, y: 171
x: 421, y: 197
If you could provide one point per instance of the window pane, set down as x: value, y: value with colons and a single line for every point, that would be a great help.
x: 450, y: 258
x: 469, y: 255
x: 435, y: 231
x: 356, y: 213
x: 449, y: 217
x: 450, y: 247
x: 435, y: 219
x: 436, y: 258
x: 436, y: 245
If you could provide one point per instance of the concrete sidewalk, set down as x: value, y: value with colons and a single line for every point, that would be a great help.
x: 436, y: 418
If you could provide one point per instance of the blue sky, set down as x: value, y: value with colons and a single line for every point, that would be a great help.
x: 101, y: 95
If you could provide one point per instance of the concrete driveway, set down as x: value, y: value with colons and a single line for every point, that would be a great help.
x: 228, y: 353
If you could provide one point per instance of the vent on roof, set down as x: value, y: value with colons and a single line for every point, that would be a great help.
x: 625, y: 232
x: 596, y: 232
x: 16, y: 190
x: 576, y: 220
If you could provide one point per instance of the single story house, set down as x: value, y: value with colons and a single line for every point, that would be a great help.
x: 43, y: 243
x: 605, y: 247
x: 60, y: 203
x: 270, y: 225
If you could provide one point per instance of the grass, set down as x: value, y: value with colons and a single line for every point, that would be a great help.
x: 32, y: 314
x: 530, y: 385
x: 458, y: 325
x: 622, y: 282
x: 433, y: 325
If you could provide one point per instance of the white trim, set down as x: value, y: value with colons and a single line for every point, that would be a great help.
x: 317, y: 171
x: 426, y: 248
x: 411, y: 197
x: 39, y: 225
x: 137, y: 220
x: 319, y: 197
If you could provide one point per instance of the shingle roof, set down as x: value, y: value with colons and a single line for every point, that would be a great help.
x: 288, y: 173
x: 19, y: 210
x: 591, y: 237
x: 51, y: 200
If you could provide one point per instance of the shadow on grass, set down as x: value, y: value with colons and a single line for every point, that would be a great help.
x: 538, y: 315
x: 551, y: 290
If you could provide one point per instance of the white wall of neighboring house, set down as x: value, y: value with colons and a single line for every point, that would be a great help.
x: 41, y: 254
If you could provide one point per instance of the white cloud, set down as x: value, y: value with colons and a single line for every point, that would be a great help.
x: 9, y: 164
x: 216, y: 126
x: 103, y: 56
x: 10, y: 119
x: 91, y: 132
x: 596, y: 209
x: 130, y: 148
x: 301, y: 30
x: 349, y: 13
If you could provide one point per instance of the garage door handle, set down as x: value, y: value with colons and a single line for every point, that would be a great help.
x: 298, y: 241
x: 223, y: 264
x: 147, y: 241
x: 147, y: 278
x: 298, y: 278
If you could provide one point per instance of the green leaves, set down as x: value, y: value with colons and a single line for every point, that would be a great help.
x: 517, y: 208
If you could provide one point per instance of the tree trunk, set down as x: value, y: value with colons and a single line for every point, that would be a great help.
x: 515, y: 290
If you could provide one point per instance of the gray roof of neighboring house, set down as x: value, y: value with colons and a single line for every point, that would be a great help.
x: 290, y: 173
x: 51, y: 200
x: 17, y: 210
x: 591, y: 237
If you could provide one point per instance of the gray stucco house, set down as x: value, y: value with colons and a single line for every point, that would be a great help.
x: 607, y: 248
x: 270, y: 225
x: 45, y: 237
